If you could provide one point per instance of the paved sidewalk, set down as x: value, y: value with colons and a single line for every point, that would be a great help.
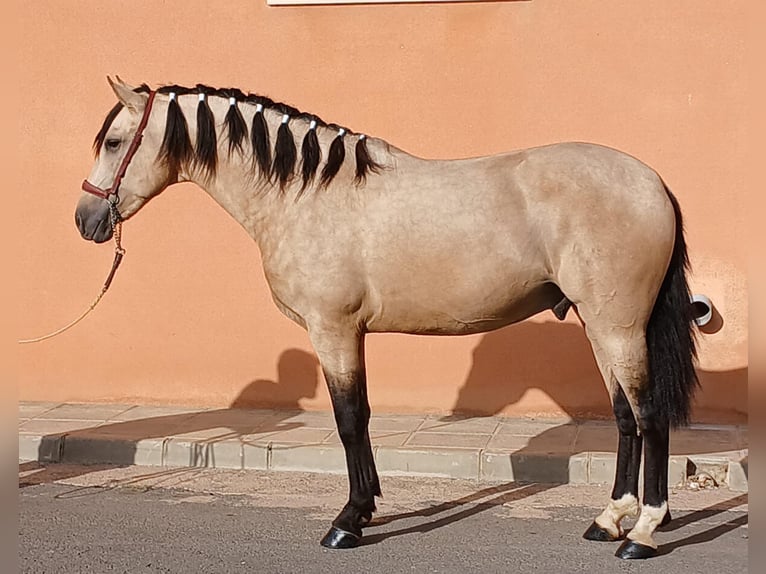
x: 487, y: 449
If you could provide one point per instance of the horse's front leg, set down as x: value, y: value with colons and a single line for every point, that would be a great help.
x: 342, y: 360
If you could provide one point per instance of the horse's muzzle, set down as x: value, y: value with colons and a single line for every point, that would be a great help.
x: 93, y: 221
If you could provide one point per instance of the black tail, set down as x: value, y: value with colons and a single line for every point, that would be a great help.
x: 670, y: 338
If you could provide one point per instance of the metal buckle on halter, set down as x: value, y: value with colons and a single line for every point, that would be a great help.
x: 114, y: 213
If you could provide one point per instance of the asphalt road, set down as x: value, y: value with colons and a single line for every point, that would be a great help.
x: 238, y: 522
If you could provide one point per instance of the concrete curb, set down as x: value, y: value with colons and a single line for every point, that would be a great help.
x: 481, y: 464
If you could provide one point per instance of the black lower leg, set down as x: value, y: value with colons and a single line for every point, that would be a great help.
x: 628, y: 449
x: 657, y: 438
x: 626, y: 475
x: 352, y: 415
x: 663, y: 444
x: 656, y: 433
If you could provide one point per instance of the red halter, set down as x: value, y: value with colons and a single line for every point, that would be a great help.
x: 111, y: 193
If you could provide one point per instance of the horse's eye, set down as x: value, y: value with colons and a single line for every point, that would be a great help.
x: 112, y: 144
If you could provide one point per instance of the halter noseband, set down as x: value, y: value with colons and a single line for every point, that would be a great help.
x: 110, y: 194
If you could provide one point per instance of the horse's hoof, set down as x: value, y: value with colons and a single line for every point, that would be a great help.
x: 598, y: 534
x: 632, y: 550
x: 337, y: 538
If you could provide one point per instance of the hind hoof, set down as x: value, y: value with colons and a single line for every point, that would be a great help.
x: 632, y: 550
x: 337, y: 538
x: 598, y: 534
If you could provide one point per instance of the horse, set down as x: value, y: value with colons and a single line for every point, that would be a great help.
x: 360, y: 237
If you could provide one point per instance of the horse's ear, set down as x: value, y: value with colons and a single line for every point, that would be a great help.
x: 134, y: 101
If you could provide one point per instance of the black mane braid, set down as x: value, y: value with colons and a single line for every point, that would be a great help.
x: 277, y: 162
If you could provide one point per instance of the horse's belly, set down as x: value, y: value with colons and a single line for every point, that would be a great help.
x: 443, y: 314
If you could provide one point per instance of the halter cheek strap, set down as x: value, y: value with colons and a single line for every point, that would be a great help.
x: 110, y: 194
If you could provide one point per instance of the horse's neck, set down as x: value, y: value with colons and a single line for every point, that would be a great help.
x: 256, y: 200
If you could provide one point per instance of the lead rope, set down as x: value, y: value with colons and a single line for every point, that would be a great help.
x: 119, y: 252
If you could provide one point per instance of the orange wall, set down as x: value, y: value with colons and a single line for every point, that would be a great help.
x: 189, y: 318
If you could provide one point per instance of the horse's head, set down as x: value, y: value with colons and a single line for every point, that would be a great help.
x: 128, y: 169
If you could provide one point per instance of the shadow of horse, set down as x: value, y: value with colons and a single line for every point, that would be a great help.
x: 555, y: 360
x: 552, y: 358
x: 449, y: 512
x: 297, y: 378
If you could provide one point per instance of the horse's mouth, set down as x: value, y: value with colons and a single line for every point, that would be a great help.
x: 94, y: 224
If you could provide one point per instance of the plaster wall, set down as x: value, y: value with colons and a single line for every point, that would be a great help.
x: 189, y: 318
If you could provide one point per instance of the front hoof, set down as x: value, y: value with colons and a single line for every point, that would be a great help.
x: 632, y: 550
x: 337, y: 538
x: 598, y: 534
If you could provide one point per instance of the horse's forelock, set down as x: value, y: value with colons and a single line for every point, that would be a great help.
x: 98, y: 141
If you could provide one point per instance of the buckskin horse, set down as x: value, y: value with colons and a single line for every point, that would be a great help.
x: 359, y: 237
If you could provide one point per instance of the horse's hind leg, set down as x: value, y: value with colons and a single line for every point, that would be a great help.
x: 341, y: 355
x: 622, y: 355
x: 624, y: 500
x: 655, y: 429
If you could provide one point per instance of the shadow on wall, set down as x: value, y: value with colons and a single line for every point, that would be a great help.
x: 298, y: 378
x: 556, y: 358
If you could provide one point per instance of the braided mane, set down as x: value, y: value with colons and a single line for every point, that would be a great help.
x: 279, y: 161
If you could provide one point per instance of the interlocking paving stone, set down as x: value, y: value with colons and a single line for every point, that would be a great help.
x: 390, y: 438
x: 394, y: 423
x: 448, y: 440
x: 149, y: 411
x: 300, y: 435
x: 700, y: 441
x: 482, y: 425
x: 80, y: 411
x: 599, y: 438
x: 39, y: 426
x: 319, y: 420
x: 31, y: 410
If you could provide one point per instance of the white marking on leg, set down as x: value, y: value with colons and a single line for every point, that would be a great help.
x: 615, y: 511
x: 647, y: 523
